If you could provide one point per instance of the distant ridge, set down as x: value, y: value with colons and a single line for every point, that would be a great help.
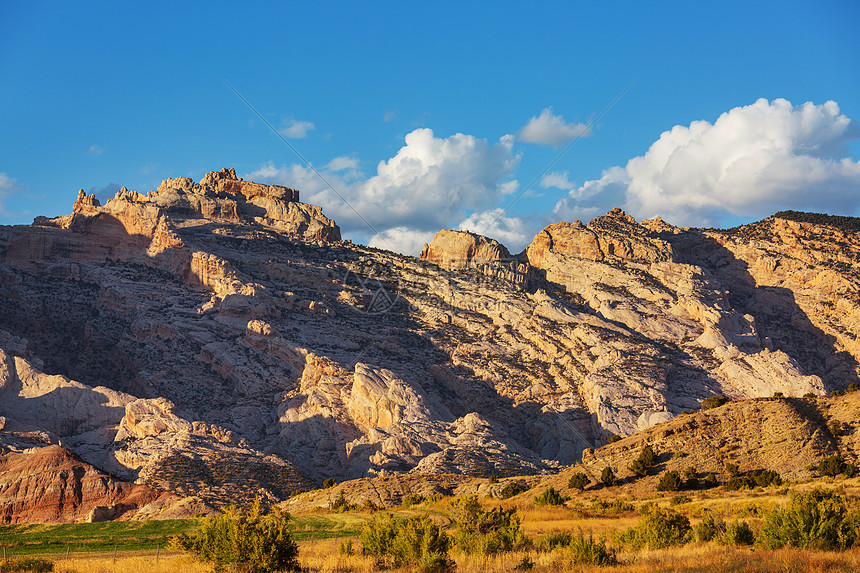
x: 838, y: 221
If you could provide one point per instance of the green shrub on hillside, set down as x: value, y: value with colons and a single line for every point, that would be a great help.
x: 691, y: 478
x: 710, y: 481
x: 647, y: 458
x: 832, y: 466
x: 815, y: 520
x: 578, y: 481
x: 256, y: 543
x: 709, y: 528
x: 713, y: 402
x: 553, y: 540
x: 587, y: 551
x: 410, y: 500
x: 485, y: 532
x: 510, y: 490
x: 738, y: 533
x: 669, y: 481
x: 415, y: 542
x: 607, y: 476
x: 550, y: 496
x: 658, y: 528
x: 754, y: 479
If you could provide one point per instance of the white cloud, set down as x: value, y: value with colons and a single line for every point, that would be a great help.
x: 296, y: 129
x: 751, y: 162
x: 428, y: 184
x: 556, y: 179
x: 402, y: 240
x: 96, y: 150
x: 550, y: 129
x: 342, y: 163
x: 7, y: 186
x: 515, y: 233
x: 390, y: 115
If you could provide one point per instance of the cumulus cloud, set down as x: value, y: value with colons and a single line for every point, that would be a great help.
x: 559, y: 180
x: 751, y: 162
x: 296, y: 129
x: 428, y: 184
x: 342, y: 163
x: 550, y: 129
x: 7, y: 186
x: 96, y: 150
x: 401, y: 240
x: 515, y: 233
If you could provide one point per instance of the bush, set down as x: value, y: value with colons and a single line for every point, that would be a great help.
x: 732, y: 469
x: 751, y: 480
x: 553, y: 539
x: 815, y: 520
x: 485, y: 532
x: 607, y: 476
x: 659, y: 528
x: 778, y: 395
x: 643, y: 463
x: 35, y: 564
x: 766, y: 478
x: 835, y: 428
x: 708, y: 528
x: 713, y: 402
x: 710, y: 481
x: 578, y: 481
x: 809, y: 395
x: 617, y: 505
x: 328, y: 483
x: 739, y: 533
x: 410, y: 500
x: 254, y: 542
x: 836, y: 393
x: 853, y: 387
x: 669, y: 481
x: 613, y: 438
x: 587, y: 551
x: 510, y: 490
x: 341, y: 505
x: 680, y: 499
x: 832, y: 466
x: 691, y: 478
x: 415, y: 542
x: 550, y: 497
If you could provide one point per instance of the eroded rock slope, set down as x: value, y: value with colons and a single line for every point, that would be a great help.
x: 219, y: 339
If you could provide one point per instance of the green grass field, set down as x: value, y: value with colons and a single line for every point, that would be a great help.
x: 135, y: 536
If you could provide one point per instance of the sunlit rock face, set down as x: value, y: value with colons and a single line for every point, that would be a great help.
x: 218, y: 339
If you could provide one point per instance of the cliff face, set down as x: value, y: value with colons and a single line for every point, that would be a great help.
x: 217, y: 339
x: 51, y: 484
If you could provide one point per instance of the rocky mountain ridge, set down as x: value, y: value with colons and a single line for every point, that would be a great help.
x: 219, y: 339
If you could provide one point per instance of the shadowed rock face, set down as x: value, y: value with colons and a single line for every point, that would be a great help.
x: 217, y: 339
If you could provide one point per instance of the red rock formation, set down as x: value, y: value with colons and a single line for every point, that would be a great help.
x: 53, y: 485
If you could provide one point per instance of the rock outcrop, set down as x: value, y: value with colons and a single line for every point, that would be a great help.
x: 458, y: 250
x: 52, y: 484
x: 215, y: 339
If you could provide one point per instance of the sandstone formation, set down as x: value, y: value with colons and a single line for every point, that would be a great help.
x: 51, y: 484
x: 216, y: 339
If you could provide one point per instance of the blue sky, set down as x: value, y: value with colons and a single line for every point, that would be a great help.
x: 440, y: 115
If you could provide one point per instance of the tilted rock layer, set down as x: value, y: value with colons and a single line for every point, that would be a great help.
x: 218, y: 339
